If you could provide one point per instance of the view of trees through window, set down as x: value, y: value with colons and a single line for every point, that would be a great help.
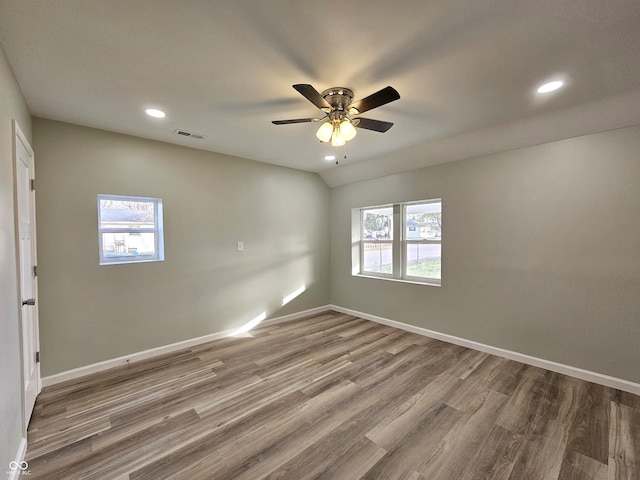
x: 377, y: 240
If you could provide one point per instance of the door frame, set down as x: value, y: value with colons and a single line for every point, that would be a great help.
x: 20, y: 138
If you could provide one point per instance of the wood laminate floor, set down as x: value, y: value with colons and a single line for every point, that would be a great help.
x: 333, y: 397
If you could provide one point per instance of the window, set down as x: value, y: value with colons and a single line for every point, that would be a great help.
x: 377, y: 240
x: 130, y: 229
x: 422, y: 249
x: 408, y: 248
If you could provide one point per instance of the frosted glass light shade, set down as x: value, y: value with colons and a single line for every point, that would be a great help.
x: 337, y: 140
x: 347, y: 130
x: 324, y: 132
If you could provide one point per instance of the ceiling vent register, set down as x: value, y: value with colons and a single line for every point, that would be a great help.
x: 185, y: 133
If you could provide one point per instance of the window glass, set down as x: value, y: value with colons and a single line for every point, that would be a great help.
x: 424, y: 260
x: 378, y: 258
x: 377, y: 237
x: 423, y: 220
x: 377, y: 223
x: 423, y: 233
x: 115, y: 214
x: 128, y: 244
x: 130, y: 229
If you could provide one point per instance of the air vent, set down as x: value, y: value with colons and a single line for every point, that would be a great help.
x: 184, y: 133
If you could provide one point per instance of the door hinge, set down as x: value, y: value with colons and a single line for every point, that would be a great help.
x: 32, y: 183
x: 37, y: 357
x: 35, y: 270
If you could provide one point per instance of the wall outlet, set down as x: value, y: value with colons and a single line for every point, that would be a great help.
x: 241, y: 246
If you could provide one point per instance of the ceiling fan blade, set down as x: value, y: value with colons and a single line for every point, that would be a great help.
x: 311, y: 94
x: 370, y: 124
x: 295, y: 120
x: 381, y: 97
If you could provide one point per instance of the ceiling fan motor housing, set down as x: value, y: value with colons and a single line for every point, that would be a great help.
x: 339, y: 98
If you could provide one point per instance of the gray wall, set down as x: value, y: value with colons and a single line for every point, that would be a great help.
x: 12, y: 106
x: 90, y: 313
x: 541, y: 251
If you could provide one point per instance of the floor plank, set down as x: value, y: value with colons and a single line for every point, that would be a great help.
x: 333, y: 397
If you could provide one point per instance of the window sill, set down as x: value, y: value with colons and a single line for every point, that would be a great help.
x: 124, y: 262
x: 399, y: 280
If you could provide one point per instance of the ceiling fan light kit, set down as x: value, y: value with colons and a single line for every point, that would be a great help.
x: 325, y: 132
x: 347, y: 130
x: 338, y: 105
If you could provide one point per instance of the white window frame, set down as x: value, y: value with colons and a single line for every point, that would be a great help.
x: 399, y: 244
x: 377, y: 241
x: 158, y: 231
x: 419, y: 241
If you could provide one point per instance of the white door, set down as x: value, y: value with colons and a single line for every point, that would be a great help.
x: 28, y: 282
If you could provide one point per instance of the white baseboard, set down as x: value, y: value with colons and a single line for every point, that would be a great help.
x: 136, y: 357
x: 580, y: 373
x: 18, y: 467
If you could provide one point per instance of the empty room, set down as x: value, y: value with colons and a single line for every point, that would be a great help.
x: 334, y: 240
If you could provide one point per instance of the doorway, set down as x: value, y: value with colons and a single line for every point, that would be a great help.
x: 26, y: 230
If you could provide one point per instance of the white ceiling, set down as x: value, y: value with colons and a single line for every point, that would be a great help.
x: 466, y: 72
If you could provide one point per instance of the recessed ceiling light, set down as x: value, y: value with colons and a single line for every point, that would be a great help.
x: 550, y: 86
x: 154, y: 112
x: 329, y: 157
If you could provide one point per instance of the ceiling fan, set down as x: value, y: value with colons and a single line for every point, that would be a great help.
x: 339, y: 108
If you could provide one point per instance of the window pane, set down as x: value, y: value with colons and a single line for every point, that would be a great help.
x: 378, y: 257
x: 130, y: 229
x: 129, y: 245
x: 377, y: 223
x: 126, y: 214
x: 423, y: 220
x: 424, y: 260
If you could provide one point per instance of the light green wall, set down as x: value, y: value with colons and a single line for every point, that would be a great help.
x: 12, y: 106
x: 541, y: 251
x: 540, y: 256
x: 90, y: 313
